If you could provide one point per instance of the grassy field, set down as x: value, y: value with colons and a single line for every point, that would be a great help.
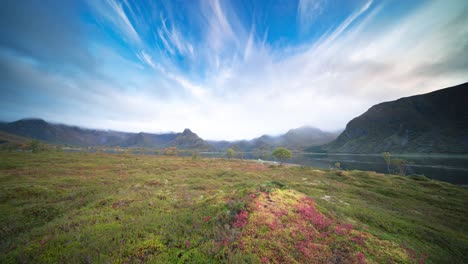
x: 103, y: 208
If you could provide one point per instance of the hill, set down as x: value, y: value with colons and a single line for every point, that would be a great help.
x: 123, y: 208
x: 302, y: 137
x: 435, y: 122
x: 12, y: 140
x: 77, y: 136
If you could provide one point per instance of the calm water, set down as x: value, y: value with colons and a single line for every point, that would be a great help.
x: 449, y: 168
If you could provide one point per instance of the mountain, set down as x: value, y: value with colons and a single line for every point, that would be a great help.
x: 435, y: 122
x: 306, y: 136
x: 62, y: 134
x: 189, y: 140
x: 76, y: 136
x: 146, y: 139
x: 296, y: 139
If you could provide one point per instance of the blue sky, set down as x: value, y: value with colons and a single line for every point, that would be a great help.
x: 225, y: 69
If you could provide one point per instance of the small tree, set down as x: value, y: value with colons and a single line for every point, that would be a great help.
x: 337, y: 165
x: 282, y: 154
x: 35, y: 146
x: 171, y: 151
x: 401, y: 165
x: 230, y: 153
x: 387, y: 159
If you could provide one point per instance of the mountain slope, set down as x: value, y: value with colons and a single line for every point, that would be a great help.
x: 435, y: 122
x: 146, y: 139
x: 62, y: 134
x: 6, y: 138
x: 188, y: 140
x: 72, y: 135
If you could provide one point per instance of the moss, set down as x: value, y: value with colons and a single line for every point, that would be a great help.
x: 81, y: 207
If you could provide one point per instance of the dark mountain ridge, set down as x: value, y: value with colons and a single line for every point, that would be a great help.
x: 77, y: 136
x: 296, y: 139
x: 436, y: 122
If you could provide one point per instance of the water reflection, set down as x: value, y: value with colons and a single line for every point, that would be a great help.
x: 449, y: 168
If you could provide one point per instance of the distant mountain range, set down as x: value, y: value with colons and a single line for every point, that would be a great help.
x: 296, y: 139
x: 76, y: 136
x: 435, y: 122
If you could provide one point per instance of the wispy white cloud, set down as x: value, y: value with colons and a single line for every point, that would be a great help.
x: 173, y: 40
x: 194, y: 90
x: 225, y: 36
x: 308, y: 11
x: 249, y: 44
x: 114, y: 12
x: 220, y: 27
x: 349, y: 20
x: 167, y: 45
x: 146, y: 58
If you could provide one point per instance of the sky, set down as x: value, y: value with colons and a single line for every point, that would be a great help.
x: 225, y: 69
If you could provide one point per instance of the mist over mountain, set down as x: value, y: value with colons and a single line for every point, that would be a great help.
x: 306, y: 136
x: 435, y: 122
x: 295, y: 139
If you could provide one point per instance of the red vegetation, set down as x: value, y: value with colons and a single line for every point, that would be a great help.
x: 308, y: 211
x: 286, y: 221
x: 285, y: 226
x: 361, y: 258
x: 420, y: 258
x: 241, y: 219
x: 342, y: 229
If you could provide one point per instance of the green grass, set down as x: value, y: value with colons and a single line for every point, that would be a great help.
x: 122, y: 208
